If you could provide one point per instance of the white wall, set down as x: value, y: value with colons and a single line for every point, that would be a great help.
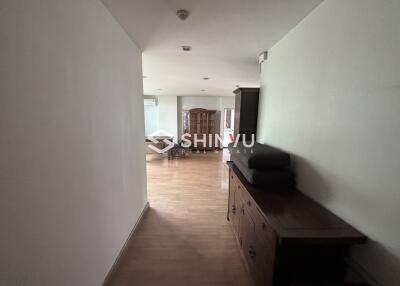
x: 72, y: 167
x: 331, y: 96
x: 206, y: 102
x: 227, y: 102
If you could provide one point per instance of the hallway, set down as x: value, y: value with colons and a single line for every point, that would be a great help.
x: 184, y: 238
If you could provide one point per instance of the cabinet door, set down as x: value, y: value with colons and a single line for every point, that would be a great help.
x: 234, y: 208
x: 185, y: 122
x: 201, y: 140
x: 255, y: 252
x: 204, y: 122
x: 266, y: 251
x: 249, y: 246
x: 266, y: 240
x: 193, y: 119
x: 258, y: 251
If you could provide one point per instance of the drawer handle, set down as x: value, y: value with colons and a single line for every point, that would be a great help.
x: 239, y: 187
x: 233, y: 209
x: 264, y: 226
x: 252, y: 251
x: 232, y: 177
x: 249, y: 203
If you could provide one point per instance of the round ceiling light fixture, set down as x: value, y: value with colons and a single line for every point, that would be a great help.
x: 206, y: 78
x: 182, y: 14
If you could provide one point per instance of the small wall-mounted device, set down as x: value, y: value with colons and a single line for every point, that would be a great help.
x: 262, y: 57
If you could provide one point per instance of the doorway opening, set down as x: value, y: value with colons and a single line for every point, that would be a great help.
x: 228, y: 126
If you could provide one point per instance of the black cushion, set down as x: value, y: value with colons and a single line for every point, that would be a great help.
x: 261, y: 157
x: 271, y: 179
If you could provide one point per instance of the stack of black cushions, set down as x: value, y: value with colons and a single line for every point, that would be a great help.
x: 264, y: 166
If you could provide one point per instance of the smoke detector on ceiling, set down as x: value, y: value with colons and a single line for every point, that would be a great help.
x: 182, y: 14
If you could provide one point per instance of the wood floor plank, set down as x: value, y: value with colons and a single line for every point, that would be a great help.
x: 184, y: 238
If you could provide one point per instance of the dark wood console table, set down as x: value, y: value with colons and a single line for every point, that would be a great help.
x: 287, y: 238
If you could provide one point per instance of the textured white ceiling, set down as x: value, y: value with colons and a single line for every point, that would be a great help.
x: 226, y: 35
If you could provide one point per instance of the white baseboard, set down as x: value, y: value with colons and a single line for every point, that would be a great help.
x: 132, y: 233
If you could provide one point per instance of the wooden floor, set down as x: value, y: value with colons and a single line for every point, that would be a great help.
x: 184, y: 238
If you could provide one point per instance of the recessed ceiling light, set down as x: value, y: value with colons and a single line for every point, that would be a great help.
x: 159, y: 89
x: 203, y: 90
x: 186, y: 48
x: 206, y: 78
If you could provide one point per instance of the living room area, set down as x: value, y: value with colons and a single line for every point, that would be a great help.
x: 173, y: 122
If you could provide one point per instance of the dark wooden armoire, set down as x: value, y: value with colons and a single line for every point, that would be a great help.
x: 201, y: 123
x: 246, y: 112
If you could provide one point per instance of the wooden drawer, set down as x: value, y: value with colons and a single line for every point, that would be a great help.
x: 249, y: 202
